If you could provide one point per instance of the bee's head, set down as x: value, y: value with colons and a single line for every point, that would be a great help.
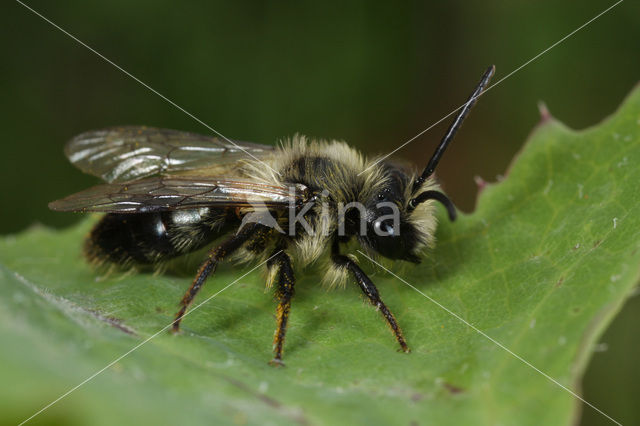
x: 398, y: 224
x: 389, y: 228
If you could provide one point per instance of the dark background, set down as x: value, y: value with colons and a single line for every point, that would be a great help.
x: 374, y: 75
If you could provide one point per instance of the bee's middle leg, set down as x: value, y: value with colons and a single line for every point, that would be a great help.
x: 284, y: 293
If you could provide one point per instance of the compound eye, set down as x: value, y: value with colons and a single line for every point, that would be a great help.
x: 384, y: 228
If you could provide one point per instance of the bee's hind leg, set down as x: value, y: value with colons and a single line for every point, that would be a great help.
x: 284, y: 292
x: 370, y: 290
x: 215, y: 255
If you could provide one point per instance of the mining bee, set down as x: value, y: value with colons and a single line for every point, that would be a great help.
x: 169, y: 193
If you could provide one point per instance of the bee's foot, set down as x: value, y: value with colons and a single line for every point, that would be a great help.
x: 276, y: 362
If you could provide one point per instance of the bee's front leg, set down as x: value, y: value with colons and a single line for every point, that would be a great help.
x: 370, y: 290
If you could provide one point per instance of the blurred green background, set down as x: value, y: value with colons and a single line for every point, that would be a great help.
x: 372, y: 74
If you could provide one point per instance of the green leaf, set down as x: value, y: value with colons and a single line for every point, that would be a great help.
x: 541, y: 266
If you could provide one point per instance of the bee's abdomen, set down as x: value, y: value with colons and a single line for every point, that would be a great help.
x: 148, y: 238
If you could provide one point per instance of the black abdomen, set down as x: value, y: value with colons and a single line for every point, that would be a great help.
x: 147, y: 238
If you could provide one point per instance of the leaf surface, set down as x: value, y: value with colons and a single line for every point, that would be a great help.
x: 541, y: 266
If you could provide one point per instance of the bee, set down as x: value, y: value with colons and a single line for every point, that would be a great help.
x: 169, y: 193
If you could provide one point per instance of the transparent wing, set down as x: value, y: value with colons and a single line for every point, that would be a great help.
x: 121, y: 154
x: 162, y: 193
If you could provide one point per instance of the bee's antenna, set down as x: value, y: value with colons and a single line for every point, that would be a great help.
x: 434, y: 195
x: 453, y: 128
